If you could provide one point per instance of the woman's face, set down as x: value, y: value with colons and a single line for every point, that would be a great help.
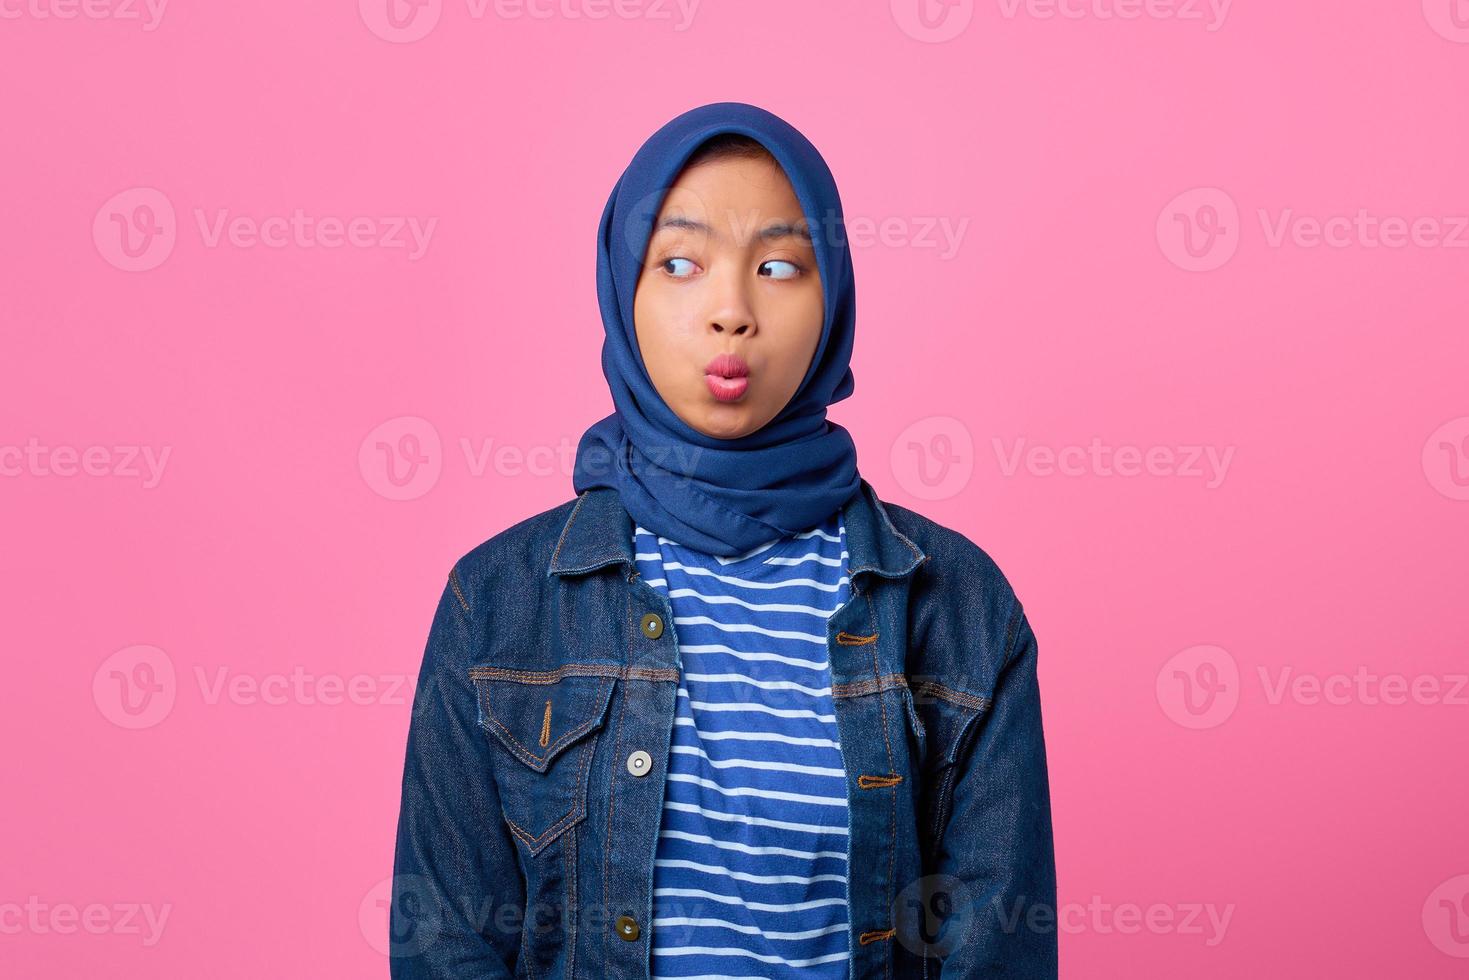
x: 728, y: 308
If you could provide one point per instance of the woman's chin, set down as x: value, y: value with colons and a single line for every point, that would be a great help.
x: 726, y: 420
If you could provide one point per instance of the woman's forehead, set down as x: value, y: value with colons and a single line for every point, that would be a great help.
x: 738, y: 200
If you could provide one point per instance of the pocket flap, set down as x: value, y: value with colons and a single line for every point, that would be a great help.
x: 944, y: 717
x: 537, y: 715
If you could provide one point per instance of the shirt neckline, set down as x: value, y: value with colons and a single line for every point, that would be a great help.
x: 799, y: 542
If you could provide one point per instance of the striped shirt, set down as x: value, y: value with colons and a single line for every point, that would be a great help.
x: 750, y: 874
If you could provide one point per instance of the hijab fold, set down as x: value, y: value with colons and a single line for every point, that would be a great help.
x: 721, y: 496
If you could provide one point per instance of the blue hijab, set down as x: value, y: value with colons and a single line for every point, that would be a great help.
x: 720, y: 496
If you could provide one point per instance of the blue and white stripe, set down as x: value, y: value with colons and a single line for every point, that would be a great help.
x: 750, y: 874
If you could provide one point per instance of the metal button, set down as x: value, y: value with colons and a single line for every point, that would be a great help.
x: 652, y: 625
x: 639, y: 763
x: 627, y: 927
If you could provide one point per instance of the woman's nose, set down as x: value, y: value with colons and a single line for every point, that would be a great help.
x: 730, y: 310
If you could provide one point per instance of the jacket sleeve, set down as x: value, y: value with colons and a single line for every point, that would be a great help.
x: 997, y: 854
x: 457, y: 899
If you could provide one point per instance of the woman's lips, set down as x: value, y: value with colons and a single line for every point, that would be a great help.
x: 727, y: 389
x: 727, y: 377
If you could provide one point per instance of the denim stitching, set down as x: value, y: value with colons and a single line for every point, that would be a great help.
x: 572, y: 670
x: 978, y: 702
x: 454, y: 584
x: 525, y: 955
x: 535, y: 843
x: 612, y: 792
x: 530, y: 970
x: 913, y: 718
x: 918, y: 553
x: 851, y: 689
x: 966, y: 735
x: 569, y: 521
x: 596, y: 563
x: 883, y: 512
x: 578, y: 810
x: 892, y: 797
x: 568, y: 737
x: 569, y: 913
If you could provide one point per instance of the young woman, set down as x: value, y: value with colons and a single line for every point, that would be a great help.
x: 726, y: 713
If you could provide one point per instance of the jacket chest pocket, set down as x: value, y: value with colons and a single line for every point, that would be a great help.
x: 943, y: 721
x: 543, y: 727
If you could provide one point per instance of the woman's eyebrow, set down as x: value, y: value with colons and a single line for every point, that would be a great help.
x: 771, y: 232
x: 784, y: 229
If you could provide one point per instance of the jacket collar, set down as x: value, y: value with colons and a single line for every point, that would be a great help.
x: 599, y: 533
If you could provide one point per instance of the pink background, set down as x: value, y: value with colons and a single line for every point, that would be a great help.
x: 1114, y: 280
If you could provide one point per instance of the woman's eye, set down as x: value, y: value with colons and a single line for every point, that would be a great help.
x: 679, y: 268
x: 780, y: 269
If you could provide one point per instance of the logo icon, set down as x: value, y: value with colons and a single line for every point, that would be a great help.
x: 136, y: 229
x: 1199, y: 687
x: 932, y: 21
x: 401, y: 459
x: 400, y: 21
x: 1450, y: 18
x: 1446, y: 459
x: 933, y: 915
x: 933, y: 459
x: 1446, y: 916
x: 1199, y: 229
x: 397, y: 916
x: 135, y: 687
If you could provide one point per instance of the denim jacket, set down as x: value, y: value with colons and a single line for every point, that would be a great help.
x: 540, y: 734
